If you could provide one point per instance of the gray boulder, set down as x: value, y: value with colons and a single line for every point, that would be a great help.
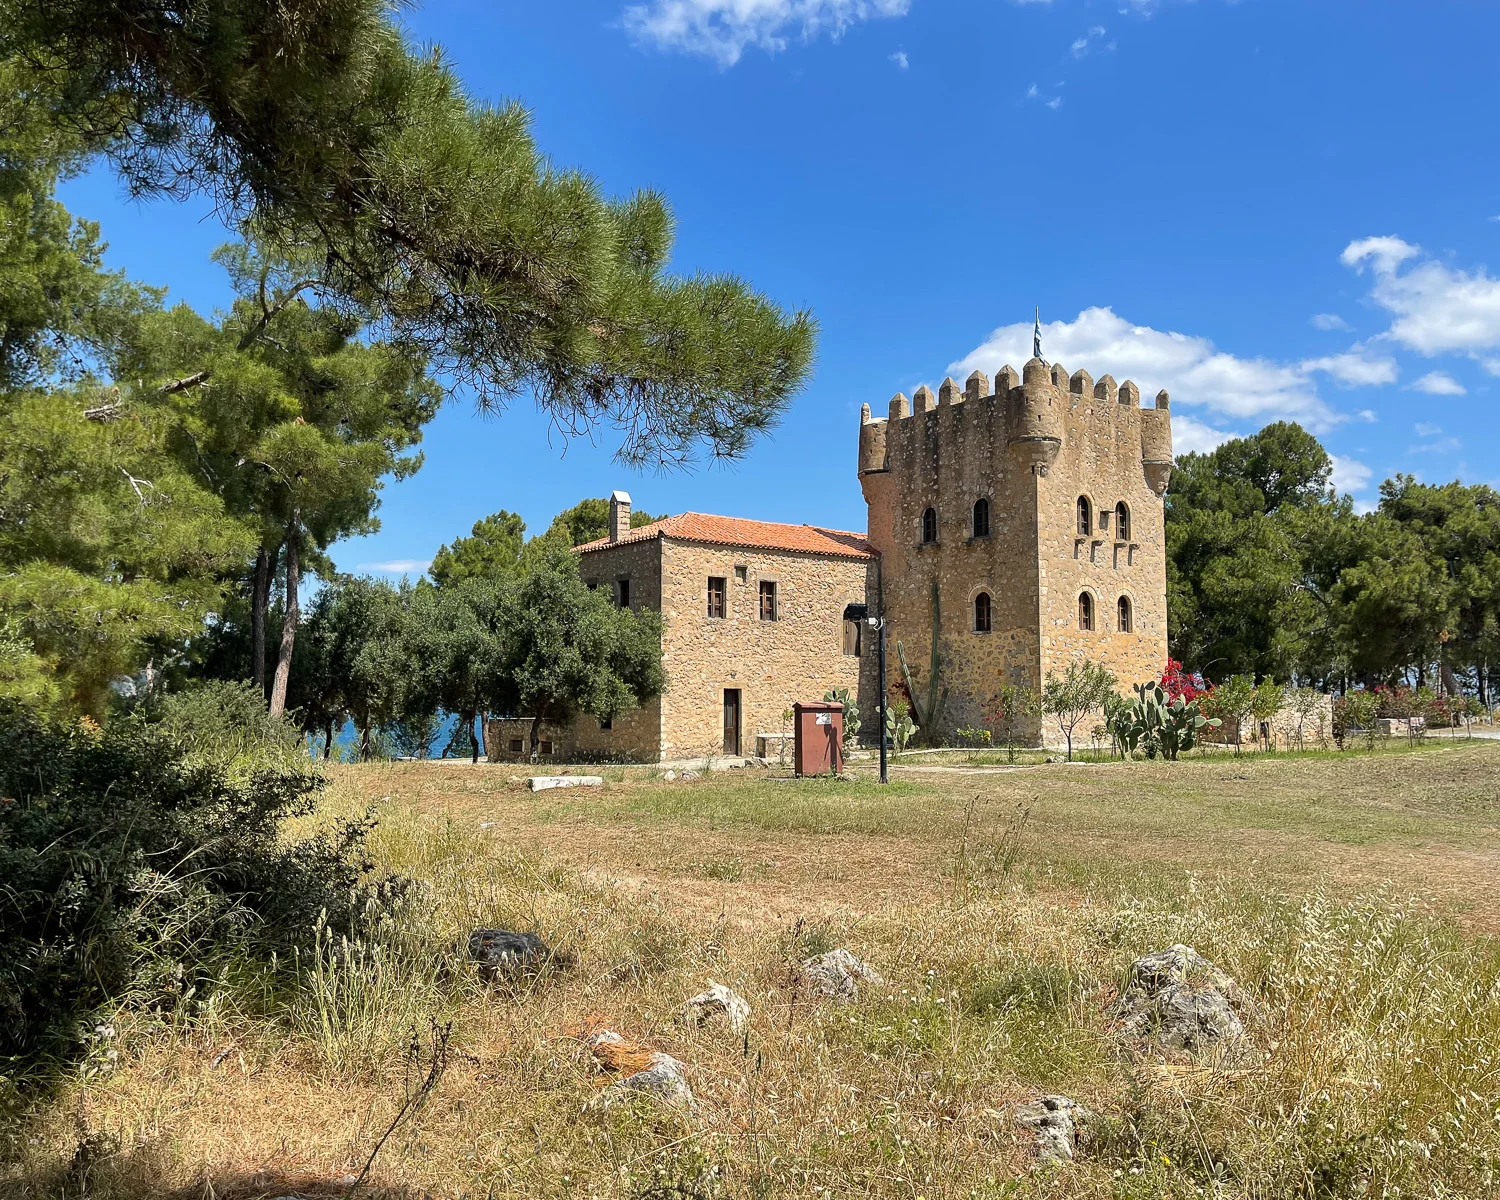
x: 714, y: 1001
x: 838, y: 975
x: 663, y: 1078
x: 1179, y: 1000
x: 1057, y: 1123
x: 499, y: 952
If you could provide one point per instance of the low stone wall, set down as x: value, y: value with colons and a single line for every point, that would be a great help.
x: 508, y: 739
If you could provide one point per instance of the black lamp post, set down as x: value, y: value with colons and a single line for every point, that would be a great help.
x: 878, y: 624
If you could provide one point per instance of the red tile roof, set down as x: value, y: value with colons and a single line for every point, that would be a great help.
x: 736, y: 531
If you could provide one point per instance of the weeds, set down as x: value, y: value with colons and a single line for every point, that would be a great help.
x: 1376, y: 1029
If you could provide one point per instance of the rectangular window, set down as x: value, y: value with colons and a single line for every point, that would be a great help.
x: 716, y: 596
x: 622, y: 592
x: 544, y: 747
x: 741, y: 572
x: 517, y: 745
x: 767, y: 600
x: 607, y: 723
x: 853, y: 636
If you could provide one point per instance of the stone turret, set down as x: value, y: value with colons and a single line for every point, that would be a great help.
x: 1156, y: 443
x: 1036, y: 422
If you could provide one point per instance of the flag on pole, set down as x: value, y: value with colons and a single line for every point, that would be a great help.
x: 1036, y: 335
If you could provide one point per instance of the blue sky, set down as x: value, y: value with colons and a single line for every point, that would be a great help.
x: 1273, y: 208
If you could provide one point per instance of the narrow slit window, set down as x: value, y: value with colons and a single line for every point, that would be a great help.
x: 929, y: 526
x: 1122, y: 522
x: 1085, y: 517
x: 623, y: 586
x: 767, y: 600
x: 1127, y: 619
x: 981, y: 518
x: 716, y: 597
x: 854, y: 629
x: 1086, y: 612
x: 982, y: 613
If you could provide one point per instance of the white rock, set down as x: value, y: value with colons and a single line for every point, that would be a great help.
x: 838, y: 975
x: 669, y: 776
x: 1055, y: 1120
x: 541, y: 783
x: 716, y: 1000
x: 664, y: 1081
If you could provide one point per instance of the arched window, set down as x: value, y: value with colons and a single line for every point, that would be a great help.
x: 1085, y: 517
x: 981, y: 517
x: 1085, y: 612
x: 929, y: 526
x: 1122, y: 522
x: 1126, y: 622
x: 982, y: 613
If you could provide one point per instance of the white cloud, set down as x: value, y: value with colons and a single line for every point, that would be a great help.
x: 1437, y: 383
x: 1367, y: 414
x: 1438, y: 310
x: 397, y: 566
x: 1388, y: 253
x: 899, y: 58
x: 1349, y: 475
x: 1032, y: 93
x: 1194, y: 437
x: 1331, y: 321
x: 1055, y: 103
x: 723, y: 29
x: 1191, y: 368
x: 1433, y: 440
x: 1085, y: 43
x: 1357, y: 367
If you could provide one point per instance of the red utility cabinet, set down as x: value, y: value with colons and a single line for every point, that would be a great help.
x: 819, y: 729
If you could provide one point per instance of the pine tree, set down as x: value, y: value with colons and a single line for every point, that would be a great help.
x: 316, y: 123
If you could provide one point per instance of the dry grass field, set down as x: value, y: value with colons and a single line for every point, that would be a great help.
x: 1356, y: 899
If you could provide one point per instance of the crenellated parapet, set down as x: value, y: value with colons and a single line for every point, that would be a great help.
x: 1029, y: 414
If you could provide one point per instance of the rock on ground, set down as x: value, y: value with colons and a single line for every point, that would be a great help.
x: 501, y: 952
x: 838, y: 975
x: 541, y: 783
x: 647, y: 1072
x: 1180, y: 1000
x: 716, y: 1000
x: 1057, y: 1123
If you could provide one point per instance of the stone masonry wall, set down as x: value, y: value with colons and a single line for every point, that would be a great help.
x: 950, y: 449
x: 635, y: 735
x: 799, y: 656
x: 947, y: 455
x: 1100, y: 458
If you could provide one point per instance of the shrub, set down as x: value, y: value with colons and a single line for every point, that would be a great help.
x: 226, y: 724
x: 134, y: 870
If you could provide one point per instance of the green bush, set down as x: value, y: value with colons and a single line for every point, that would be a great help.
x: 226, y: 724
x: 133, y: 870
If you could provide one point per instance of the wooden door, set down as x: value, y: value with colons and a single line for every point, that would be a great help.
x: 732, y: 721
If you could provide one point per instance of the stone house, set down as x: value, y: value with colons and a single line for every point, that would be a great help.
x: 1021, y: 527
x: 755, y: 616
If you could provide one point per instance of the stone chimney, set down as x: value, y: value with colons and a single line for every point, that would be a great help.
x: 619, y: 516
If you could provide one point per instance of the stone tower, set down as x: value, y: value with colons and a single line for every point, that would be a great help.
x: 1033, y: 513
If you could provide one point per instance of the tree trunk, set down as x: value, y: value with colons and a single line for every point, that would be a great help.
x: 260, y: 599
x: 289, y: 618
x: 536, y: 735
x: 472, y: 717
x: 1450, y: 684
x: 328, y: 743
